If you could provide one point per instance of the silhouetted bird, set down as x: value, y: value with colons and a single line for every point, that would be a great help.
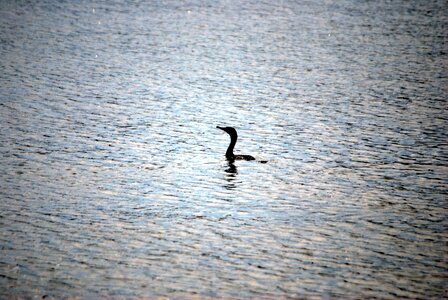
x: 233, y: 137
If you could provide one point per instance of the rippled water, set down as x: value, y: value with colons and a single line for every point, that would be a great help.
x: 114, y: 181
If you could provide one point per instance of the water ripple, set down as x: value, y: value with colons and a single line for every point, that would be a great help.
x: 114, y: 181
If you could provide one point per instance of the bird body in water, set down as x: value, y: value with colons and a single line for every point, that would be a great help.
x: 233, y: 137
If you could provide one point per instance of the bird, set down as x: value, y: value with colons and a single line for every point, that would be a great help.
x: 233, y: 137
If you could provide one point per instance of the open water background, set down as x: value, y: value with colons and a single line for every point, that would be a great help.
x: 113, y: 179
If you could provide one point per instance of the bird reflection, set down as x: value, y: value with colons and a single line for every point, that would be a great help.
x: 232, y: 170
x: 231, y: 174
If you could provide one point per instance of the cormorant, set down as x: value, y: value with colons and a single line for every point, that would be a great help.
x: 233, y: 137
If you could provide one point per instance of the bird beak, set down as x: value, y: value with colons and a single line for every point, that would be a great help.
x: 222, y: 128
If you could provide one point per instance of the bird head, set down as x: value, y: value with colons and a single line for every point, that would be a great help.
x: 230, y: 130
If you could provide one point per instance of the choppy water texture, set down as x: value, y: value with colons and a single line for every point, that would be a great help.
x: 113, y: 176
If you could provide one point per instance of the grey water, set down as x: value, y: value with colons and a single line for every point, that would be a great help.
x: 113, y: 178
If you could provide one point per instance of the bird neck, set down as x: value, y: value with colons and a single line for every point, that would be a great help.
x: 229, y: 152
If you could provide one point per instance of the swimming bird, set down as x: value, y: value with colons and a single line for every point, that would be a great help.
x: 233, y: 137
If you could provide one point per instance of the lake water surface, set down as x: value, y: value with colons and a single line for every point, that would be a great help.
x: 113, y: 179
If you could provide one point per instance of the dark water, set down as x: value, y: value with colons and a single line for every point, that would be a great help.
x: 113, y: 176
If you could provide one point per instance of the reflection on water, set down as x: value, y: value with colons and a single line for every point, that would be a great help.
x: 231, y: 175
x: 113, y: 177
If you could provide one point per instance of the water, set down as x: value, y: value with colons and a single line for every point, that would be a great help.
x: 114, y: 181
